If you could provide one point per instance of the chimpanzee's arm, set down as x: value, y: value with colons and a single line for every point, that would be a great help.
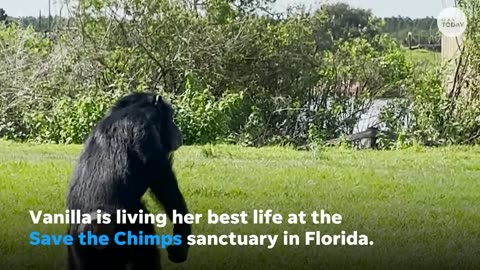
x: 165, y: 188
x: 162, y: 180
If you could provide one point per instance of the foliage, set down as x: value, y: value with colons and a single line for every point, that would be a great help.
x: 351, y: 78
x: 3, y: 15
x: 70, y: 120
x: 204, y: 119
x: 441, y: 106
x: 233, y: 75
x: 423, y: 30
x: 337, y: 22
x: 23, y: 57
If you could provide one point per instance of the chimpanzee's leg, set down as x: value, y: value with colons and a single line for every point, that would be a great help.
x: 145, y: 256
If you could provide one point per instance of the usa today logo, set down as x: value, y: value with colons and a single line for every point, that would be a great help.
x: 452, y: 22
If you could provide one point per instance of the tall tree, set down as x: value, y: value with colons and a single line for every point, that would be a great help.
x: 3, y: 15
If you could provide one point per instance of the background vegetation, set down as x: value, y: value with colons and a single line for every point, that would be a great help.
x: 236, y: 73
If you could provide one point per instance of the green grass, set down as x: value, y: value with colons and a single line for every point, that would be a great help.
x: 420, y: 207
x: 422, y: 58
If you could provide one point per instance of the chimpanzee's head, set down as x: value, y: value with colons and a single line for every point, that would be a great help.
x: 169, y: 132
x: 170, y: 135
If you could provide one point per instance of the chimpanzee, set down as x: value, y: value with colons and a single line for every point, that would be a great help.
x: 128, y: 152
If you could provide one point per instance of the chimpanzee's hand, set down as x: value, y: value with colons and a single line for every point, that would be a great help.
x: 178, y: 254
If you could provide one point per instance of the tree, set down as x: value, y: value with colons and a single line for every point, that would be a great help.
x: 340, y: 21
x: 3, y: 15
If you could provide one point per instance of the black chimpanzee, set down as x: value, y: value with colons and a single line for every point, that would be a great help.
x: 128, y: 152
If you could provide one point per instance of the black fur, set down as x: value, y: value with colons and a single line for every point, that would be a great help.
x: 127, y: 153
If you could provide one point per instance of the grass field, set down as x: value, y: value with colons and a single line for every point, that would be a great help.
x: 421, y: 208
x: 422, y: 58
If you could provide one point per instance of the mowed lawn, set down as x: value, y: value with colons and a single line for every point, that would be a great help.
x: 420, y: 207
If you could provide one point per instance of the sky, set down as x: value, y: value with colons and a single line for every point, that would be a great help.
x: 381, y: 8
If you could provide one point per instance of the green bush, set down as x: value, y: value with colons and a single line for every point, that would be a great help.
x: 70, y: 120
x: 430, y: 115
x: 250, y: 79
x: 203, y: 118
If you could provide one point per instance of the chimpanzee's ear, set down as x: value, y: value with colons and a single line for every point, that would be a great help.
x: 158, y: 99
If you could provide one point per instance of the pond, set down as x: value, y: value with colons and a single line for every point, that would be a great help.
x: 371, y: 117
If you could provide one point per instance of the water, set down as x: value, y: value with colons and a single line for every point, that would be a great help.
x: 370, y: 118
